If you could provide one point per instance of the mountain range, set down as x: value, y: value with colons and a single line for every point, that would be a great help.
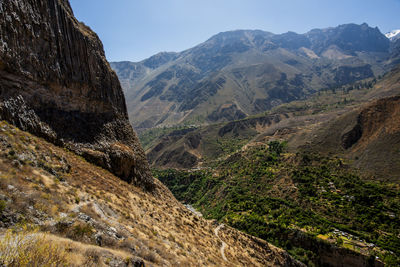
x: 241, y: 73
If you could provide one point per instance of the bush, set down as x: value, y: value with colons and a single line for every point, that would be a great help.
x: 82, y: 230
x: 3, y: 205
x: 277, y: 147
x: 30, y: 248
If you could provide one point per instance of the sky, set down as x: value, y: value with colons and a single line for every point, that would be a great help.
x: 133, y: 30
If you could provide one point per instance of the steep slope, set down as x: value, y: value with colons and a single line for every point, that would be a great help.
x: 395, y: 51
x: 189, y: 147
x: 240, y: 73
x: 357, y: 122
x: 100, y: 220
x: 56, y: 83
x: 367, y: 133
x: 370, y: 136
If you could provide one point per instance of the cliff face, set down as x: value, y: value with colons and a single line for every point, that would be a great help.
x: 56, y: 83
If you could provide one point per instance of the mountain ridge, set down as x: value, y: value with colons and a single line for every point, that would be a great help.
x: 250, y: 70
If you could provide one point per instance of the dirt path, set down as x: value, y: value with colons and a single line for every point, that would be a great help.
x: 216, y: 230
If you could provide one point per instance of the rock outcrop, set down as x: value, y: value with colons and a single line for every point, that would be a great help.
x: 56, y: 83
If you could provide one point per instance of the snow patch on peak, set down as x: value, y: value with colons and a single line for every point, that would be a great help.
x: 393, y: 35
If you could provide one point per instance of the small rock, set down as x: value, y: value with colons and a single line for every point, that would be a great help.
x: 116, y: 263
x: 37, y: 221
x: 28, y: 179
x: 99, y: 239
x: 10, y: 187
x: 84, y: 217
x: 51, y: 222
x: 23, y: 157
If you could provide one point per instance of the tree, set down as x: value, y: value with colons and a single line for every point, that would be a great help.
x: 276, y: 147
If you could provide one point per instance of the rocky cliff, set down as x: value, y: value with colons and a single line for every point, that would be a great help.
x: 56, y: 83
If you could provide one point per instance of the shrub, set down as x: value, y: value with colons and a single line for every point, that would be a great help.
x: 277, y: 147
x: 81, y: 230
x: 3, y: 205
x: 30, y: 248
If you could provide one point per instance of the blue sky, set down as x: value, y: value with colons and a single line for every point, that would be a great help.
x: 137, y: 29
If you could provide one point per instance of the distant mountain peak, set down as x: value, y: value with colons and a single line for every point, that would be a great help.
x: 254, y: 69
x: 393, y: 35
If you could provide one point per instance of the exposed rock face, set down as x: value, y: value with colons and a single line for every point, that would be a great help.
x: 56, y: 83
x: 378, y: 119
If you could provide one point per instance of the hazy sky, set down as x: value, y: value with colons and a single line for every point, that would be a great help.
x: 137, y: 29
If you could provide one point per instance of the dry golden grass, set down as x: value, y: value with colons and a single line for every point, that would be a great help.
x: 31, y: 248
x: 57, y: 189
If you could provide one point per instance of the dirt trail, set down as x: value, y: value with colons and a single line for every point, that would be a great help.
x: 216, y: 230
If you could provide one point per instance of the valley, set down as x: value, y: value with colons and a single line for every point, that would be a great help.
x: 75, y: 186
x: 296, y: 201
x: 249, y: 149
x: 316, y: 175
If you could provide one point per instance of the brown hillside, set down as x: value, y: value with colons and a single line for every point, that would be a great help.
x: 100, y: 220
x: 361, y: 125
x: 370, y: 136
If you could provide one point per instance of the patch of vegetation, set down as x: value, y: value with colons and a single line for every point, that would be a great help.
x: 30, y: 248
x: 148, y: 137
x: 215, y: 148
x: 3, y: 205
x: 277, y: 196
x: 82, y: 230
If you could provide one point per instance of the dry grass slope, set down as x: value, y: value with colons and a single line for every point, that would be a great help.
x: 96, y: 219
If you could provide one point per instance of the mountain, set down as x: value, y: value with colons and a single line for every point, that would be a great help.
x: 329, y: 122
x: 56, y: 83
x: 393, y: 35
x: 318, y: 177
x: 240, y: 73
